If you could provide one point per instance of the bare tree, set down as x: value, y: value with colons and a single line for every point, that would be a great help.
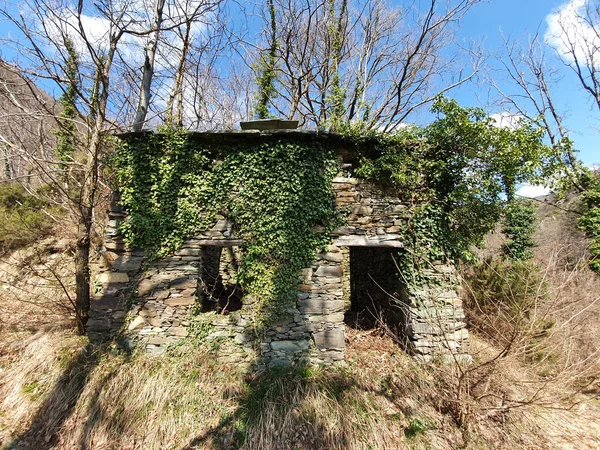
x: 528, y: 70
x: 577, y: 41
x: 530, y: 66
x: 200, y: 40
x: 364, y: 60
x: 148, y: 67
x: 47, y: 31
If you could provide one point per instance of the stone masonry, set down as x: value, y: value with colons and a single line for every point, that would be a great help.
x: 157, y: 302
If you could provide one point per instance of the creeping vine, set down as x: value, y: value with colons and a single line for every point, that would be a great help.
x: 277, y: 194
x: 454, y: 176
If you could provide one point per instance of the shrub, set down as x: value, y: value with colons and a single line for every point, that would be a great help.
x: 519, y: 228
x: 22, y: 217
x: 501, y: 298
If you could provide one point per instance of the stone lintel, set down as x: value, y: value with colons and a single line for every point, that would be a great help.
x: 382, y: 241
x: 217, y: 242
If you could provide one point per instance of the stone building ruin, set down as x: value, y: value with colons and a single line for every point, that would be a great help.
x: 352, y: 283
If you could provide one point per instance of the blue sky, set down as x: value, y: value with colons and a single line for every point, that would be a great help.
x: 516, y: 19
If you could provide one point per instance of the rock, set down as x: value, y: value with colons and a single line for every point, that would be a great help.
x: 155, y: 321
x: 105, y: 302
x: 188, y: 292
x: 178, y: 331
x: 184, y: 268
x: 98, y: 325
x: 184, y: 283
x: 148, y: 311
x: 329, y: 271
x: 127, y: 263
x: 155, y: 350
x: 180, y: 301
x: 158, y: 340
x: 188, y: 252
x: 136, y: 323
x: 320, y: 306
x: 242, y: 338
x: 110, y: 257
x: 146, y: 287
x: 290, y: 346
x: 333, y: 257
x: 336, y: 318
x: 117, y: 246
x: 113, y: 277
x: 221, y: 225
x: 162, y: 295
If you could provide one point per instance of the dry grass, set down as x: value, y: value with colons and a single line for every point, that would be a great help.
x: 562, y: 252
x: 57, y: 392
x: 34, y: 283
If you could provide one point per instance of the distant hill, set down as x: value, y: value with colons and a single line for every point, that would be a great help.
x: 27, y: 118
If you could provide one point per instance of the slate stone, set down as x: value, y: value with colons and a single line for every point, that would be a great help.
x: 329, y: 271
x: 319, y: 306
x: 180, y: 301
x: 98, y: 325
x: 183, y: 283
x: 126, y: 263
x: 136, y: 323
x: 146, y: 287
x: 104, y: 303
x: 178, y: 331
x: 290, y: 346
x: 330, y: 339
x: 113, y: 277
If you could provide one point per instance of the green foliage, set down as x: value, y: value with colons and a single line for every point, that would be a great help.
x: 519, y: 227
x: 276, y: 193
x: 67, y: 132
x: 417, y: 427
x: 457, y: 172
x: 22, y: 220
x: 512, y: 286
x: 590, y: 221
x: 268, y: 62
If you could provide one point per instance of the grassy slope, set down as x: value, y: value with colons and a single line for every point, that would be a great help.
x: 57, y: 392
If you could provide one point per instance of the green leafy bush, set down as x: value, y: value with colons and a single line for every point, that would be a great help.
x: 501, y: 296
x: 22, y: 219
x: 590, y: 222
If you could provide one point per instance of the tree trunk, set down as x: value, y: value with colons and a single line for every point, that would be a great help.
x: 82, y: 279
x: 148, y: 69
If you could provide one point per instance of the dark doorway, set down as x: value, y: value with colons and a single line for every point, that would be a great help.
x: 218, y: 289
x: 377, y: 294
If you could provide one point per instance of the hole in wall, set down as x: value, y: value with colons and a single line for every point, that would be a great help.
x: 218, y: 289
x: 377, y: 297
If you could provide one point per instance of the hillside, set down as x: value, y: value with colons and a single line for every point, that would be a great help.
x: 26, y: 119
x: 57, y: 391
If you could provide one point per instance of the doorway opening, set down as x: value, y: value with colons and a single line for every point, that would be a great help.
x: 378, y: 297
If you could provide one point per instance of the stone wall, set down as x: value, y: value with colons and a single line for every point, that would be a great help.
x: 156, y: 302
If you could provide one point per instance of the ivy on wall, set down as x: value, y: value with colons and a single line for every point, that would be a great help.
x: 458, y: 173
x: 276, y: 192
x: 455, y: 175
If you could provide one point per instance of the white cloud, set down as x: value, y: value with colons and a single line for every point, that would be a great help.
x: 507, y: 120
x: 569, y: 33
x: 532, y: 190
